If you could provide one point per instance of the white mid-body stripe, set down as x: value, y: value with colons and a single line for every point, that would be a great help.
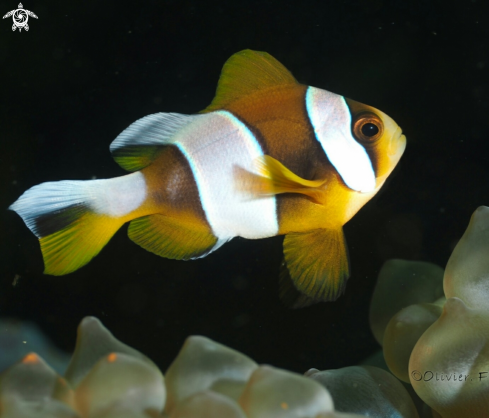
x: 331, y: 119
x: 215, y: 145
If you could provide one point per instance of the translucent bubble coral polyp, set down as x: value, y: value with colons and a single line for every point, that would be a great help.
x: 467, y: 271
x: 207, y: 404
x: 273, y: 392
x: 366, y: 390
x: 203, y: 364
x: 402, y: 283
x: 402, y: 334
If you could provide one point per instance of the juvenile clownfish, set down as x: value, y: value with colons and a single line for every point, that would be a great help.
x: 269, y: 156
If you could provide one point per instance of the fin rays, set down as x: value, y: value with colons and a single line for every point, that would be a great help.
x: 74, y: 246
x: 139, y: 144
x: 172, y: 238
x: 316, y: 264
x: 274, y: 178
x: 246, y: 72
x: 74, y: 220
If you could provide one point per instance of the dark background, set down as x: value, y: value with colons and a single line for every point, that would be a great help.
x: 86, y: 70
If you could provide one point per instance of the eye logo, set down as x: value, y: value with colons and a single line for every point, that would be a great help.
x: 20, y: 17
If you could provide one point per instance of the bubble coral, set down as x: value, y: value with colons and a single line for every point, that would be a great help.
x: 442, y: 347
x: 438, y: 345
x: 108, y: 379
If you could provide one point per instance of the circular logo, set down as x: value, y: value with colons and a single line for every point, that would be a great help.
x: 20, y: 17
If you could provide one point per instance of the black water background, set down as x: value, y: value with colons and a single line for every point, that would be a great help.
x: 85, y: 70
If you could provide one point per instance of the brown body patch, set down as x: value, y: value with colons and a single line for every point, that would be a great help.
x: 172, y: 190
x: 172, y: 222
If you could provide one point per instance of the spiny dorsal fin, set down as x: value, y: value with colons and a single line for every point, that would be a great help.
x: 245, y: 72
x: 138, y: 145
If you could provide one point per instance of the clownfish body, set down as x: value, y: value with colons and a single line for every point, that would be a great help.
x: 268, y: 156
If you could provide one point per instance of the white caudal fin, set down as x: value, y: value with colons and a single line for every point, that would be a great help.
x: 75, y: 219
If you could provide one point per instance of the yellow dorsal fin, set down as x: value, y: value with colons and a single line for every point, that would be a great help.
x: 245, y: 72
x: 275, y: 178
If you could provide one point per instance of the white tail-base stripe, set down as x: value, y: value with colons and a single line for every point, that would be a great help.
x: 118, y: 196
x: 331, y: 119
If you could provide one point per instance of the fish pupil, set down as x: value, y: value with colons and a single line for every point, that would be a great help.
x: 369, y: 130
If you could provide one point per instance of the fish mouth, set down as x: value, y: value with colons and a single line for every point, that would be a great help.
x: 398, y: 143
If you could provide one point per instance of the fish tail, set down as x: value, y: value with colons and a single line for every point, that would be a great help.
x: 74, y: 220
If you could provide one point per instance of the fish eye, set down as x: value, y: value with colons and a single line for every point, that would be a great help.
x: 368, y: 127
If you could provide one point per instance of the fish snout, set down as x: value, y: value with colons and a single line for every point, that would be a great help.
x: 397, y: 144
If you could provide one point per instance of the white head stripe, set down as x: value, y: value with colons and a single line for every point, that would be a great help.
x: 215, y: 145
x: 331, y: 120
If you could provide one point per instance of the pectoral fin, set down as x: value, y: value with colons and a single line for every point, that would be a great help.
x: 274, y: 178
x: 315, y: 268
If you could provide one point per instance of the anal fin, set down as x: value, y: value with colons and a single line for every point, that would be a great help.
x: 315, y: 268
x: 173, y: 238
